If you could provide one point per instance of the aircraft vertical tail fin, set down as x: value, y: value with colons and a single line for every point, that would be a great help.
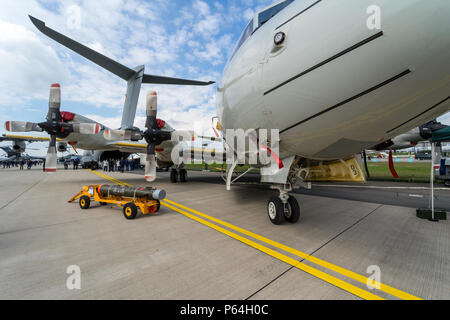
x: 131, y: 99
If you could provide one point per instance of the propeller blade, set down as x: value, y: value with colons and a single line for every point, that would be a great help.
x: 50, y: 161
x: 87, y: 128
x: 150, y: 168
x: 152, y: 110
x: 54, y: 103
x: 22, y: 126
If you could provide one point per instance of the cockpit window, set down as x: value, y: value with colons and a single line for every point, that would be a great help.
x: 245, y: 35
x: 266, y: 15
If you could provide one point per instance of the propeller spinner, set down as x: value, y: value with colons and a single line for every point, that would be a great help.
x: 54, y: 126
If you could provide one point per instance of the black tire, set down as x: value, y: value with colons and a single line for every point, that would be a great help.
x: 292, y: 214
x: 130, y: 211
x: 158, y: 206
x: 183, y: 175
x: 275, y: 211
x: 173, y: 176
x: 85, y: 202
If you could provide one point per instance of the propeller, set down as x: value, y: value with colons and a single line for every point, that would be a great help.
x: 153, y: 135
x: 54, y: 126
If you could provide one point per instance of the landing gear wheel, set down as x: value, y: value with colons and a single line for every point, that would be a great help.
x: 275, y: 210
x: 173, y: 176
x: 85, y: 202
x: 292, y: 212
x: 183, y: 175
x: 130, y: 211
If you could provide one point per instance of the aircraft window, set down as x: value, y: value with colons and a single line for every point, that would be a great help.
x: 266, y: 15
x: 245, y: 35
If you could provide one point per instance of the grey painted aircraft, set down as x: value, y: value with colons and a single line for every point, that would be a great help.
x: 332, y: 83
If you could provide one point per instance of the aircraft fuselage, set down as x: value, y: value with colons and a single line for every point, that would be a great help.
x: 336, y: 86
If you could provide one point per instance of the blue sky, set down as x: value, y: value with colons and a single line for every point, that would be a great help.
x: 181, y: 38
x: 190, y: 39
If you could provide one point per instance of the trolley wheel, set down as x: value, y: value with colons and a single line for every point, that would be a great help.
x: 85, y: 202
x: 130, y: 211
x: 173, y: 176
x: 292, y: 212
x: 183, y: 175
x: 275, y: 210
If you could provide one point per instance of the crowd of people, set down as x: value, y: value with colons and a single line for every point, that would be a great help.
x: 112, y: 165
x: 122, y: 165
x: 22, y: 164
x: 75, y: 163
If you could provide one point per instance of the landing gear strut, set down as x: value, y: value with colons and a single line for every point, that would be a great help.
x: 173, y: 175
x: 283, y: 208
x: 178, y: 175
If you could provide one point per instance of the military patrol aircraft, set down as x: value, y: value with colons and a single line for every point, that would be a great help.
x: 329, y: 81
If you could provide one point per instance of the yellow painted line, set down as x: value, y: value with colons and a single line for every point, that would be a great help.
x: 110, y: 178
x: 299, y: 265
x: 350, y: 274
x: 30, y: 138
x: 330, y: 266
x: 119, y: 144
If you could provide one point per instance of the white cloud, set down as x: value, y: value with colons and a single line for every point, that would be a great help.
x: 28, y: 66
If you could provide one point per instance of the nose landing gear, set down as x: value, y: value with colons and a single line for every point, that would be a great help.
x: 283, y: 208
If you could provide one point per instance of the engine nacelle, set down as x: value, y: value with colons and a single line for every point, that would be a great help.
x: 62, y: 147
x: 19, y: 146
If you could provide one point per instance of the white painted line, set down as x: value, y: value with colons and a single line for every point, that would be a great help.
x: 416, y: 196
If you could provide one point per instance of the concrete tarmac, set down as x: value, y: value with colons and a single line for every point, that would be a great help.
x: 172, y: 256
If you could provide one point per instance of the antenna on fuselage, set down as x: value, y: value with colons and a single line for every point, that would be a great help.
x: 134, y: 77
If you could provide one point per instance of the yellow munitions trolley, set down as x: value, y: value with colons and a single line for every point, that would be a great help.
x: 128, y: 198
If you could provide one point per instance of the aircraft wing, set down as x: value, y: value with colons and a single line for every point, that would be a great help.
x: 37, y: 158
x: 139, y: 147
x: 128, y: 146
x: 213, y: 139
